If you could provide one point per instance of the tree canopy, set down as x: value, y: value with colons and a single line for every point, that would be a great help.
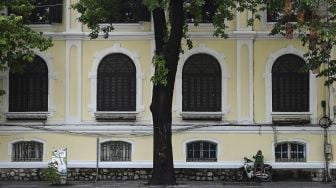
x: 304, y: 19
x: 17, y: 40
x: 313, y: 23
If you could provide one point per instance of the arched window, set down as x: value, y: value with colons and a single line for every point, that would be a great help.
x: 201, y: 151
x: 290, y: 85
x: 201, y: 84
x: 115, y: 151
x: 116, y: 84
x: 28, y: 89
x: 27, y: 151
x: 290, y: 152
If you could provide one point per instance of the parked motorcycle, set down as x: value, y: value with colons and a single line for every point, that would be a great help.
x: 250, y: 173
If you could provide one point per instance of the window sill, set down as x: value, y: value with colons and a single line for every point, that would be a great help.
x: 101, y: 116
x: 291, y: 117
x: 140, y: 26
x: 202, y: 115
x: 27, y: 115
x: 44, y: 27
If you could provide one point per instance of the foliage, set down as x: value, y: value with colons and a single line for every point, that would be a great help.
x: 159, y: 77
x: 313, y: 21
x: 51, y: 173
x: 17, y: 40
x: 95, y: 12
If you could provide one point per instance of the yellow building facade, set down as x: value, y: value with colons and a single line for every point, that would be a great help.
x: 244, y: 118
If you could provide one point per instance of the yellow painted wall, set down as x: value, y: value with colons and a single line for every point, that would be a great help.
x: 58, y: 63
x: 231, y: 146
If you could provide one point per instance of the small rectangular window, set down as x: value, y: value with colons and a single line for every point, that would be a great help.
x: 26, y: 151
x: 290, y: 152
x: 115, y: 151
x: 201, y: 151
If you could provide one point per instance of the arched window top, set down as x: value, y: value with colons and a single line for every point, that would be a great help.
x: 201, y: 64
x: 202, y: 141
x: 115, y: 142
x: 116, y: 63
x: 290, y: 142
x: 38, y: 65
x: 288, y: 63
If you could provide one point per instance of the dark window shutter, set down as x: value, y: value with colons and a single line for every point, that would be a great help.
x: 28, y: 91
x: 201, y: 84
x: 208, y: 11
x: 116, y: 84
x: 143, y: 12
x: 56, y: 11
x: 290, y: 85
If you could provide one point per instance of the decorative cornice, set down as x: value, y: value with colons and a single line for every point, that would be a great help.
x: 116, y: 35
x: 111, y: 128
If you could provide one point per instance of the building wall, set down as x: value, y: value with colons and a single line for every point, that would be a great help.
x: 244, y: 128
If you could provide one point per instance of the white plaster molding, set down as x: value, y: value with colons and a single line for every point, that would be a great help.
x: 68, y: 15
x: 249, y: 45
x: 78, y: 46
x: 134, y: 56
x: 268, y: 83
x: 35, y: 164
x: 177, y: 164
x: 225, y: 76
x: 118, y: 128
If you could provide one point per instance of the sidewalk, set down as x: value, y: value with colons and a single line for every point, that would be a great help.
x: 183, y: 184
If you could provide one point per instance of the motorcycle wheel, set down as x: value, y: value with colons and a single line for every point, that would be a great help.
x: 242, y: 176
x: 268, y: 178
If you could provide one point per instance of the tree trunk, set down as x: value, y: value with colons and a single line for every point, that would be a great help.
x: 161, y: 107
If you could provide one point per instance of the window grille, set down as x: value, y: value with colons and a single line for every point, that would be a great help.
x: 28, y: 90
x: 127, y: 11
x: 201, y: 151
x: 45, y: 12
x: 290, y: 152
x: 290, y: 85
x: 115, y: 151
x: 116, y: 84
x: 207, y: 12
x: 201, y: 84
x: 27, y: 151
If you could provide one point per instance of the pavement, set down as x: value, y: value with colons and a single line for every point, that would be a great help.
x: 182, y: 184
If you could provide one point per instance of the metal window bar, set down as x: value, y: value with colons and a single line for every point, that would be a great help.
x: 115, y: 151
x: 292, y: 154
x: 204, y: 154
x: 27, y: 151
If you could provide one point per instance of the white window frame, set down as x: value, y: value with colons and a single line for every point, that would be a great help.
x: 98, y: 57
x: 225, y: 77
x: 268, y: 88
